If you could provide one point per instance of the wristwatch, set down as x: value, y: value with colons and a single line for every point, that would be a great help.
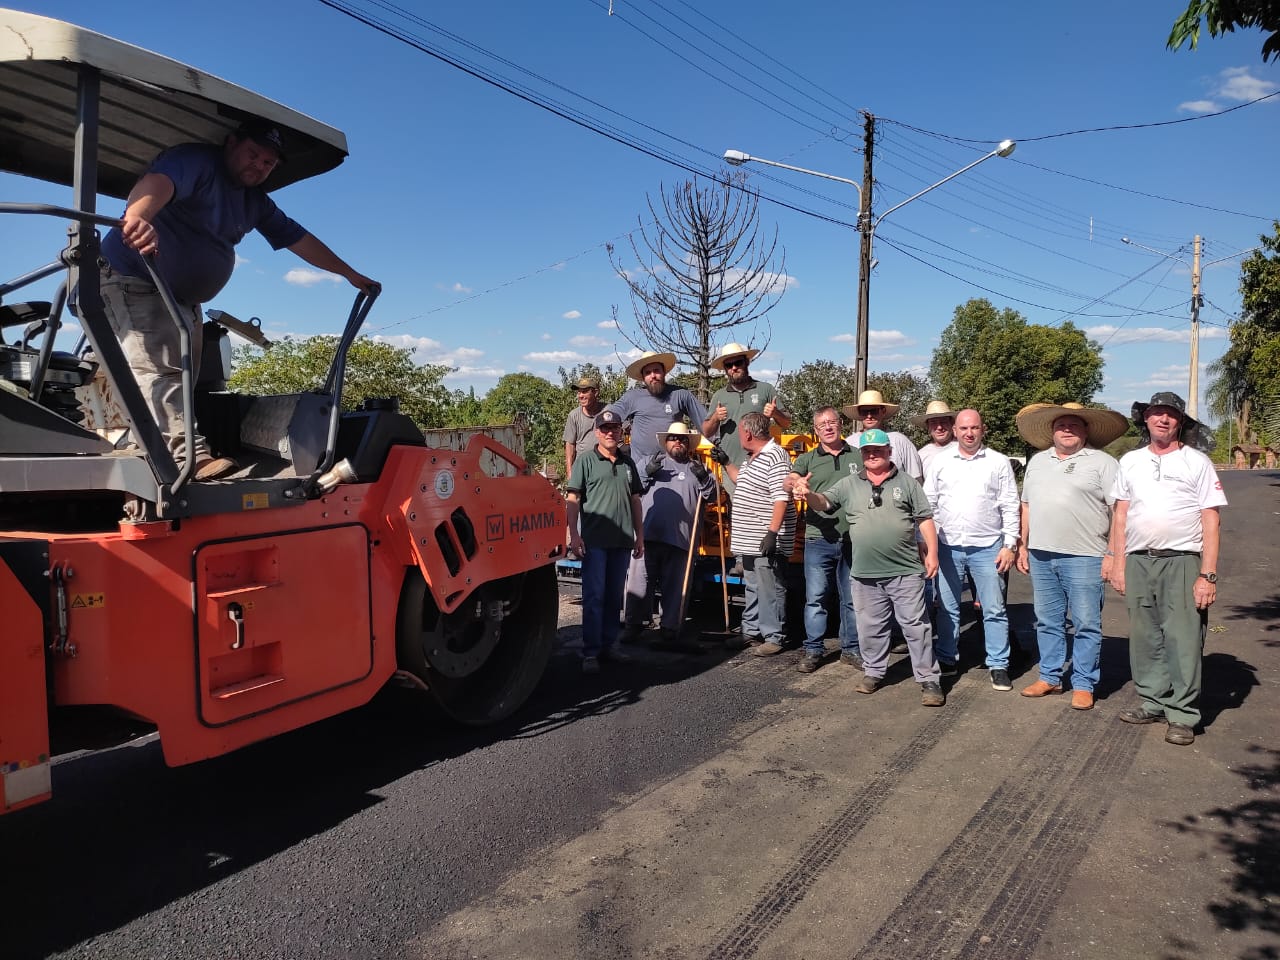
x: 1211, y: 577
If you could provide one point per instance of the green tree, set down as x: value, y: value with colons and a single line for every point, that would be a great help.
x: 1246, y: 379
x: 612, y: 382
x: 994, y: 361
x: 702, y: 267
x: 539, y: 404
x: 374, y: 369
x: 1223, y: 16
x: 466, y: 409
x: 816, y: 384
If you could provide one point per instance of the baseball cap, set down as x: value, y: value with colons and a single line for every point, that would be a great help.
x: 608, y: 418
x: 263, y: 134
x: 873, y: 438
x: 586, y: 383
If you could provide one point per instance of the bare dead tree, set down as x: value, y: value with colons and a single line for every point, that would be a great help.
x: 704, y: 267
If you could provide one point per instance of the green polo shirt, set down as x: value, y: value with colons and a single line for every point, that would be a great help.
x: 827, y: 469
x: 604, y: 488
x: 750, y: 399
x: 884, y: 537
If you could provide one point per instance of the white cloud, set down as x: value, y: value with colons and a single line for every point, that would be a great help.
x: 554, y: 356
x: 427, y: 350
x: 588, y: 341
x: 1232, y: 85
x: 1198, y: 106
x: 607, y: 325
x: 1112, y: 336
x: 844, y: 338
x: 545, y: 336
x: 306, y: 277
x: 453, y: 287
x: 572, y: 314
x: 889, y: 338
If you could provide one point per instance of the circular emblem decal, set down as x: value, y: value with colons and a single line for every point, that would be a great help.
x: 444, y: 484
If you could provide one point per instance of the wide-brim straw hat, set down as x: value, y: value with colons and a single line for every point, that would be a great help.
x: 870, y: 398
x: 668, y: 361
x: 1035, y: 423
x: 732, y: 350
x: 935, y: 410
x: 679, y: 430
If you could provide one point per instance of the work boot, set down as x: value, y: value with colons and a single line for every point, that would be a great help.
x: 1081, y: 699
x: 1041, y: 688
x: 809, y: 664
x: 767, y: 649
x: 931, y: 694
x: 207, y: 468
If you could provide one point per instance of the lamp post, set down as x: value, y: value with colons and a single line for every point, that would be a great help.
x: 867, y: 225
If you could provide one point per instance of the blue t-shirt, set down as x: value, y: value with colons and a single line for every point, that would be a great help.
x: 201, y: 224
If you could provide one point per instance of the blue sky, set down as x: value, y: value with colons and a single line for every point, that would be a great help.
x: 486, y: 217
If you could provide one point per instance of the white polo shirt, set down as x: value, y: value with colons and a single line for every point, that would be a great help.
x: 1166, y: 494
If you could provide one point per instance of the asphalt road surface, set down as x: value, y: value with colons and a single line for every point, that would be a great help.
x: 715, y: 807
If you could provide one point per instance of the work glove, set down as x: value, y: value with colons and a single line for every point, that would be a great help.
x: 698, y: 470
x: 769, y: 544
x: 718, y: 455
x: 653, y: 466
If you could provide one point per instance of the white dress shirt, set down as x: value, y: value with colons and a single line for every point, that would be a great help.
x: 975, y: 499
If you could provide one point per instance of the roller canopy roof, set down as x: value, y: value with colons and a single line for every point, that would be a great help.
x: 147, y: 102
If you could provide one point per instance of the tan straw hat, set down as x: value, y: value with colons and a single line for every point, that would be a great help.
x: 870, y: 398
x: 679, y: 430
x: 668, y: 361
x: 732, y: 350
x: 934, y: 411
x: 1035, y: 423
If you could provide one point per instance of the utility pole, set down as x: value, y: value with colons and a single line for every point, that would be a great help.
x: 864, y: 256
x: 1193, y: 400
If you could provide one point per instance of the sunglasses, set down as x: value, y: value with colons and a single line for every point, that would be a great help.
x: 737, y: 362
x: 876, y: 501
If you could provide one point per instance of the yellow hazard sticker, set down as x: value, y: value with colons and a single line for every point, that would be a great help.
x: 88, y: 601
x: 254, y: 501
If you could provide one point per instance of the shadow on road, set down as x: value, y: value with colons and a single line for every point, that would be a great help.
x: 1264, y: 612
x: 1249, y: 833
x: 125, y: 835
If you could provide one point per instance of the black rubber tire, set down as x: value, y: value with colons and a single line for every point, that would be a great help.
x: 509, y: 674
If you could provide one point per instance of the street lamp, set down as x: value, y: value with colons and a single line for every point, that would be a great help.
x: 867, y: 227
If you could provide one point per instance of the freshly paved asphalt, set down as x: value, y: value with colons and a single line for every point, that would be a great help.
x: 701, y: 807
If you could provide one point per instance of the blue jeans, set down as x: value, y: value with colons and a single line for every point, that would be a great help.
x: 1063, y: 581
x: 604, y: 577
x: 826, y: 571
x: 764, y: 610
x: 953, y: 561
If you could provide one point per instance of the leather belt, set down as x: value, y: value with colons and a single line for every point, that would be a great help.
x: 1162, y: 554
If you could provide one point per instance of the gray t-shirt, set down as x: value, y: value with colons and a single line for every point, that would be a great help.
x: 652, y: 415
x: 580, y: 430
x: 1069, y: 501
x: 669, y: 500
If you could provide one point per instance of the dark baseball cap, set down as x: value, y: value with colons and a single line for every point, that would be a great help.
x: 608, y: 418
x: 263, y: 134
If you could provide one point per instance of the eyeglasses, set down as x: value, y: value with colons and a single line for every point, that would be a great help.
x: 827, y: 424
x: 735, y: 362
x: 684, y: 440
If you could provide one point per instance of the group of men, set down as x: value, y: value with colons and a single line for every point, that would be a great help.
x: 633, y: 518
x: 891, y: 533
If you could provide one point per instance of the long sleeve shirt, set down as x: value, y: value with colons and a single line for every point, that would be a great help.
x: 975, y: 499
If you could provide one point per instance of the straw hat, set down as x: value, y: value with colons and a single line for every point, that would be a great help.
x: 870, y: 398
x: 668, y: 361
x: 732, y: 350
x: 1035, y: 423
x: 935, y: 410
x: 679, y: 430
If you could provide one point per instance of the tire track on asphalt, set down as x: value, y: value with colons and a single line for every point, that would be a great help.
x: 743, y: 939
x: 991, y: 892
